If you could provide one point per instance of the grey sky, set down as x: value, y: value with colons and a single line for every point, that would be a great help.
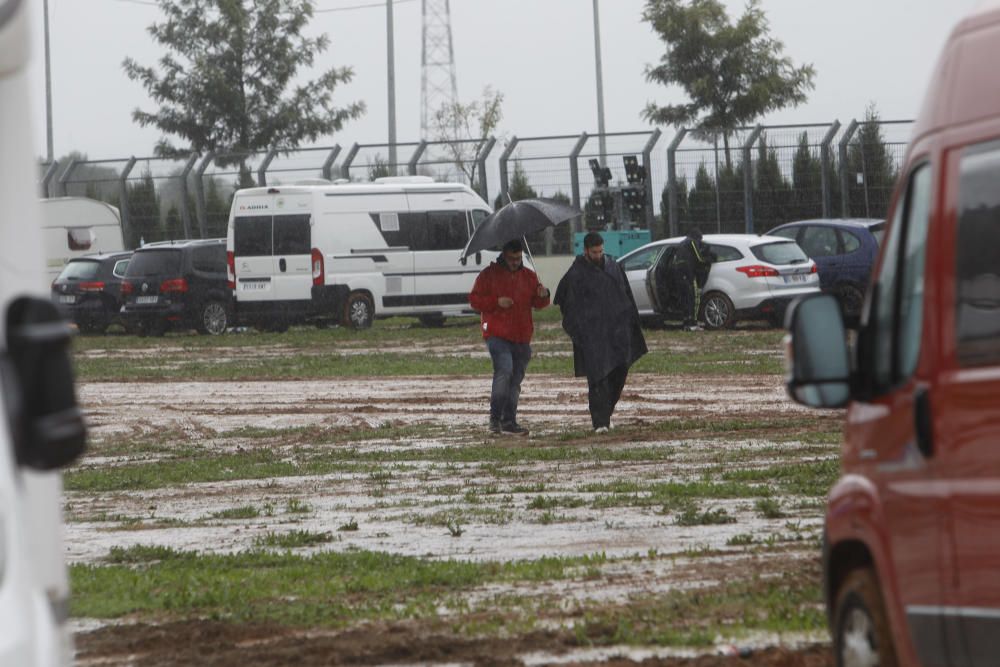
x: 539, y: 53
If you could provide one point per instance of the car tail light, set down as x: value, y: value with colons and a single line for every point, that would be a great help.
x: 814, y: 269
x: 231, y: 269
x: 126, y: 288
x: 758, y: 271
x: 179, y: 285
x: 317, y: 263
x: 95, y: 286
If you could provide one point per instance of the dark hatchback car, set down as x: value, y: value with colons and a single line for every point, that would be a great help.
x: 178, y: 285
x: 88, y: 290
x: 844, y: 252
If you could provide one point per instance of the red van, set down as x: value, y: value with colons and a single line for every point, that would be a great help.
x: 912, y: 533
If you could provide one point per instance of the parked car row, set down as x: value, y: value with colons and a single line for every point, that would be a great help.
x: 160, y: 286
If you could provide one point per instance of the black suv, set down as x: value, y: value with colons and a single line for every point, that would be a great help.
x: 89, y: 290
x: 178, y: 285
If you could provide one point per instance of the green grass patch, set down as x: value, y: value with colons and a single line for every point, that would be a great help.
x: 293, y: 540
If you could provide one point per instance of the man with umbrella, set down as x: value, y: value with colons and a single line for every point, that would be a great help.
x: 504, y: 294
x: 601, y: 318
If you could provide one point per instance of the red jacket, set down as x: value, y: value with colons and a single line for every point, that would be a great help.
x: 513, y: 323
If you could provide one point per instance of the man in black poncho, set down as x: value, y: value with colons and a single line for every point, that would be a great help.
x: 600, y: 316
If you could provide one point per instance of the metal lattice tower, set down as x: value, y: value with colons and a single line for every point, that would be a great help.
x: 437, y: 81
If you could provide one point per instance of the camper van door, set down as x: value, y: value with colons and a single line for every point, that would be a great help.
x: 439, y: 279
x: 292, y: 236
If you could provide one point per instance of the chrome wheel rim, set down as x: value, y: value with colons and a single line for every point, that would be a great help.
x: 214, y: 318
x: 359, y: 313
x: 716, y: 312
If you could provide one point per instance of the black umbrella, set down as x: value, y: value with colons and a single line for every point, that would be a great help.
x: 518, y: 219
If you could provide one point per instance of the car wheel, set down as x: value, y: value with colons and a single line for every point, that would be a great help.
x: 432, y: 321
x: 359, y: 311
x: 717, y: 311
x: 851, y: 301
x: 861, y: 636
x: 213, y: 318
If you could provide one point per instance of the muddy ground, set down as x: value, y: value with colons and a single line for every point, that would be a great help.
x: 413, y: 509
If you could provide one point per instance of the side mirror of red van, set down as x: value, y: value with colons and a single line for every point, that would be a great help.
x: 817, y: 365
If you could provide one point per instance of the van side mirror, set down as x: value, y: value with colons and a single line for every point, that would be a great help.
x: 463, y: 261
x: 46, y: 422
x: 818, y: 370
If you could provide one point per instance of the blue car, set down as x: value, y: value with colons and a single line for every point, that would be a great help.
x: 844, y: 251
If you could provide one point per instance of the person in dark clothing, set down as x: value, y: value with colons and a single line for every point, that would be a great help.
x: 600, y: 316
x: 504, y: 294
x: 688, y: 271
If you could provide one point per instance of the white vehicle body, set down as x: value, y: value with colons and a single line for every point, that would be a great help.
x: 353, y: 251
x: 34, y: 585
x: 751, y: 278
x: 77, y: 226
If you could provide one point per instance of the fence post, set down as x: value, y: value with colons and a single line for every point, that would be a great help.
x: 50, y: 171
x: 411, y: 167
x: 64, y: 178
x: 824, y: 156
x: 262, y: 170
x: 748, y: 178
x: 648, y: 181
x: 345, y: 168
x: 504, y: 180
x: 123, y: 196
x: 185, y: 212
x: 574, y: 173
x: 845, y: 182
x: 673, y: 223
x: 327, y: 171
x: 199, y: 194
x: 484, y: 152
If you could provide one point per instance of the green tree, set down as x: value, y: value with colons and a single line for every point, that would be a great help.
x: 807, y: 182
x: 518, y: 189
x: 378, y: 167
x: 733, y: 73
x: 231, y: 79
x: 465, y: 128
x: 143, y: 211
x: 871, y: 169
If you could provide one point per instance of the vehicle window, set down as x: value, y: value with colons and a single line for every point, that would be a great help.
x: 725, y: 253
x: 819, y: 241
x: 478, y: 216
x: 252, y: 236
x: 446, y: 230
x: 977, y: 262
x: 895, y: 322
x: 292, y: 235
x: 642, y: 259
x: 781, y: 252
x: 154, y: 262
x: 83, y: 269
x: 120, y: 267
x: 788, y: 232
x: 80, y: 238
x: 210, y: 259
x: 411, y: 232
x: 849, y: 241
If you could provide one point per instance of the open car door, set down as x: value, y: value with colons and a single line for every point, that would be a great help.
x: 658, y: 287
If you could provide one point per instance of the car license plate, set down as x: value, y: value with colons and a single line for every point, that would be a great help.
x: 253, y: 285
x: 67, y: 298
x: 796, y: 278
x: 146, y: 299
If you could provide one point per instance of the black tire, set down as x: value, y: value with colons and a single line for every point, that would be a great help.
x: 359, y: 311
x: 861, y: 634
x: 717, y: 311
x: 213, y: 318
x: 432, y: 321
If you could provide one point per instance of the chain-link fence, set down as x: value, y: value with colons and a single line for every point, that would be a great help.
x: 746, y: 180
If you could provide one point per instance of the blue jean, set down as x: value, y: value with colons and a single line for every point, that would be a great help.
x: 510, y: 360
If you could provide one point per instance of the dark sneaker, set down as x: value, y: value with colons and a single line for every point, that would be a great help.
x: 495, y: 426
x: 515, y: 429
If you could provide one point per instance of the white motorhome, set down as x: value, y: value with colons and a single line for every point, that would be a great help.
x: 350, y: 252
x: 75, y: 226
x: 40, y: 426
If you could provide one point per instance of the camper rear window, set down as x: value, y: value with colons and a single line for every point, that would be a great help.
x: 79, y: 238
x: 154, y: 263
x: 252, y: 236
x: 81, y: 269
